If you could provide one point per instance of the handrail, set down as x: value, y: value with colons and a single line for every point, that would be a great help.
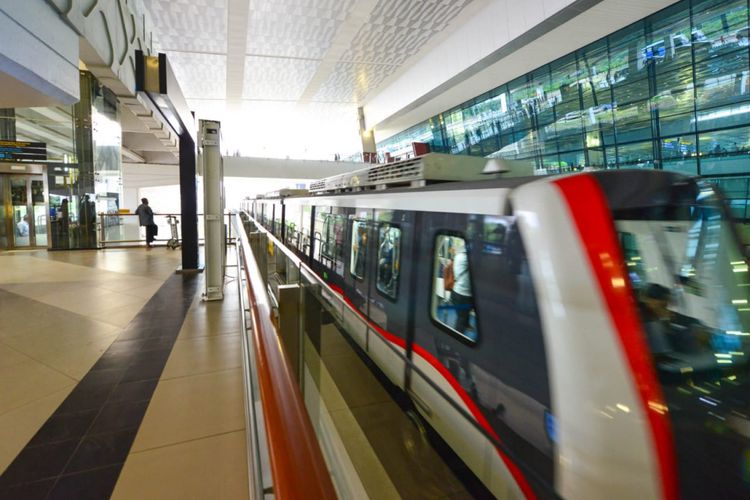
x: 297, y: 464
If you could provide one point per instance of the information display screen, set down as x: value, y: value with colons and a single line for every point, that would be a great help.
x: 22, y: 150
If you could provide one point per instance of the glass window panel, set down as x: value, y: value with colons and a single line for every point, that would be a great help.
x: 687, y: 167
x: 730, y: 116
x: 676, y: 124
x: 572, y: 160
x: 725, y: 151
x: 723, y: 80
x: 638, y: 155
x: 719, y: 26
x: 359, y: 249
x: 679, y: 148
x: 452, y: 295
x: 570, y: 142
x: 628, y: 92
x: 626, y: 54
x: 670, y: 36
x: 389, y: 259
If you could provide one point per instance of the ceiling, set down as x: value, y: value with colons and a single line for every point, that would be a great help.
x: 251, y: 60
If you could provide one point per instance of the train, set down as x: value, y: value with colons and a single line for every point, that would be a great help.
x: 569, y: 336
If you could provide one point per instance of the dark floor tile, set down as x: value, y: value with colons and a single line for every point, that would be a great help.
x: 96, y: 484
x: 125, y: 347
x: 61, y: 427
x: 140, y: 390
x: 39, y: 462
x: 119, y: 416
x: 85, y: 398
x: 28, y: 491
x: 145, y: 332
x: 101, y: 450
x: 114, y: 361
x: 107, y: 376
x: 144, y: 370
x: 153, y: 355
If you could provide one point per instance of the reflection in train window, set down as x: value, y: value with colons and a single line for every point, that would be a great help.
x: 359, y: 249
x: 452, y: 298
x: 692, y: 285
x: 389, y: 253
x: 332, y: 247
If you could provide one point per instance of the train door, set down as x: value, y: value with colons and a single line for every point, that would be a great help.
x: 478, y: 340
x: 359, y: 252
x: 392, y: 234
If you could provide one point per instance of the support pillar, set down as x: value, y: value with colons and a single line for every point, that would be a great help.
x: 189, y: 200
x: 369, y: 149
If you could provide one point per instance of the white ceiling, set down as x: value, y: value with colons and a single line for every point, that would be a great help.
x: 332, y: 53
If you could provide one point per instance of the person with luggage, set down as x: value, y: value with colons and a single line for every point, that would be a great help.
x: 146, y: 218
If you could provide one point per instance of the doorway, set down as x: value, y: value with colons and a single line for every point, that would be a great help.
x: 23, y: 211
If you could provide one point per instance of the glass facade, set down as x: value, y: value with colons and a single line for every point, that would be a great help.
x: 671, y: 91
x: 83, y: 166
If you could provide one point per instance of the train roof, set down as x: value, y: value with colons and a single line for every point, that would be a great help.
x: 420, y: 171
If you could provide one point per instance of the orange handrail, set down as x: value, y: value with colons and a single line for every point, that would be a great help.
x: 297, y: 464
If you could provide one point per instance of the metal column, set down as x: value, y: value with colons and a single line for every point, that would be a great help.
x: 189, y: 200
x: 213, y: 206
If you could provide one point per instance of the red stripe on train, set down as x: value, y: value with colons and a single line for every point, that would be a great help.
x: 473, y: 408
x: 590, y: 211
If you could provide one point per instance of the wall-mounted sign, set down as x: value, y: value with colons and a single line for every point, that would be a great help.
x: 22, y: 150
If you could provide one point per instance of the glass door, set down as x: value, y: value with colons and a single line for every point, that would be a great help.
x: 5, y: 231
x: 23, y: 211
x: 19, y: 198
x: 39, y: 211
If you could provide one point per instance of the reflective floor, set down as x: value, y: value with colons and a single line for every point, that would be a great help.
x: 73, y: 322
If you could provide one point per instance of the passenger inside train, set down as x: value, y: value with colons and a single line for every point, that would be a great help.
x: 453, y: 303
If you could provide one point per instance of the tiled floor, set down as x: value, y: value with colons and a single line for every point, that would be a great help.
x: 83, y: 342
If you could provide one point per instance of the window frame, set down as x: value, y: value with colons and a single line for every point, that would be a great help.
x: 393, y: 298
x: 439, y: 324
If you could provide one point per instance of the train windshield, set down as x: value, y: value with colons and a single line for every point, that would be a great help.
x: 692, y: 286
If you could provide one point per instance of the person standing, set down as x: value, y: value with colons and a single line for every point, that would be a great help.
x: 146, y: 218
x: 461, y: 293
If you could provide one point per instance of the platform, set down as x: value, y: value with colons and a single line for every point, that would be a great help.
x: 116, y: 379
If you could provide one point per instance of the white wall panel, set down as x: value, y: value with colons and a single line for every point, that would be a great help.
x: 40, y: 51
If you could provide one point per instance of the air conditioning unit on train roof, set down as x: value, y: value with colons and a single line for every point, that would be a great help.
x: 414, y: 172
x: 286, y: 193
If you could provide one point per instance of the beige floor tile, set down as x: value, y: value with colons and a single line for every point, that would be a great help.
x: 214, y: 467
x: 76, y: 361
x: 18, y: 426
x: 10, y: 357
x: 207, y: 325
x: 193, y: 356
x: 120, y: 316
x: 192, y: 407
x: 91, y: 301
x: 25, y: 382
x: 65, y: 334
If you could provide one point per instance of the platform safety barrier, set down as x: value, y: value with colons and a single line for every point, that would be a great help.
x: 284, y: 457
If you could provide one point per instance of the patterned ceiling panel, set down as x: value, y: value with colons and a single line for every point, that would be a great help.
x: 190, y: 25
x: 397, y: 29
x: 294, y: 28
x: 350, y: 82
x: 200, y: 75
x: 276, y: 78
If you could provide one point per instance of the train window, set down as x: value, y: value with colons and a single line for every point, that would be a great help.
x: 452, y: 298
x: 359, y: 249
x: 692, y: 285
x: 389, y: 254
x: 333, y: 237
